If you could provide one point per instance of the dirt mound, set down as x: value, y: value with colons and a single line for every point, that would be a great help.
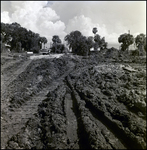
x: 81, y: 103
x: 37, y: 75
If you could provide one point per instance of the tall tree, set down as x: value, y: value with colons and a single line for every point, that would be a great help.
x: 77, y: 42
x: 140, y: 42
x: 40, y: 42
x: 18, y: 47
x: 94, y: 30
x: 44, y: 41
x: 17, y: 36
x: 56, y: 44
x: 97, y: 40
x: 73, y: 40
x: 6, y: 32
x: 90, y: 42
x: 126, y: 40
x: 56, y: 39
x: 103, y: 44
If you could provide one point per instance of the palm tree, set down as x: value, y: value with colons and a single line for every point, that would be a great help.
x: 126, y: 40
x: 44, y: 41
x: 94, y: 30
x: 77, y: 42
x: 90, y: 42
x: 96, y: 38
x: 140, y: 42
x: 72, y: 40
x: 56, y: 40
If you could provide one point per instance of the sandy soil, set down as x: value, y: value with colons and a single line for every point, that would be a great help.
x: 46, y: 56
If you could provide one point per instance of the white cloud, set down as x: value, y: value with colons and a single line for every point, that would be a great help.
x: 85, y: 26
x: 81, y: 23
x: 5, y: 17
x: 62, y: 17
x: 34, y: 16
x: 117, y: 16
x: 49, y: 29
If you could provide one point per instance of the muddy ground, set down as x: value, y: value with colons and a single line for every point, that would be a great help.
x: 73, y: 102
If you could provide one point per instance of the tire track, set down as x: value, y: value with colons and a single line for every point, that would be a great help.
x: 6, y: 80
x: 126, y: 140
x: 17, y: 117
x: 70, y: 118
x: 71, y: 121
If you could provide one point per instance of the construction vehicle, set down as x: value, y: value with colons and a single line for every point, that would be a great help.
x: 44, y: 51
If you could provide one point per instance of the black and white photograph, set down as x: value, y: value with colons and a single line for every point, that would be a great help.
x: 73, y: 75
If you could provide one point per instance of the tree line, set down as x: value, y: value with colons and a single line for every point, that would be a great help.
x: 127, y: 39
x: 19, y: 38
x: 81, y: 45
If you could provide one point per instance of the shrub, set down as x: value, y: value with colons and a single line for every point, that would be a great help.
x: 35, y: 49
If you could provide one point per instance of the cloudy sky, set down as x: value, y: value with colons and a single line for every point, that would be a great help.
x: 49, y: 18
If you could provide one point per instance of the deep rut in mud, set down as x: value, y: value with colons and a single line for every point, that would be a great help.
x: 75, y: 103
x: 90, y: 122
x: 72, y: 135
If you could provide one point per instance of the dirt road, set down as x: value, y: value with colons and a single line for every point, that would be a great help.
x: 13, y: 121
x: 73, y: 102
